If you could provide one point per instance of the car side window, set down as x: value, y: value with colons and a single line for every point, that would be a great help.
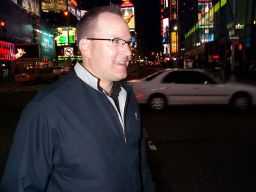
x: 187, y: 77
x: 200, y: 78
x: 176, y: 77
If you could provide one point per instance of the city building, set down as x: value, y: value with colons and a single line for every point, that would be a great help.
x: 223, y: 37
x: 33, y: 33
x: 170, y: 30
x: 20, y: 37
x: 128, y: 14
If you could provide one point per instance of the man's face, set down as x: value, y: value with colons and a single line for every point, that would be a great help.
x: 106, y: 60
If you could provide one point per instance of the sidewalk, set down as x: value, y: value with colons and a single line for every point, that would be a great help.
x: 244, y: 79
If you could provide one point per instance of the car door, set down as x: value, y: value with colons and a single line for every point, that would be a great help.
x: 190, y: 87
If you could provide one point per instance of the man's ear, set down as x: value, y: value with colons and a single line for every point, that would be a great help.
x: 84, y: 46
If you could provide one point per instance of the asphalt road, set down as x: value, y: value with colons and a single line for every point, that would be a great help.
x: 191, y: 149
x: 198, y: 149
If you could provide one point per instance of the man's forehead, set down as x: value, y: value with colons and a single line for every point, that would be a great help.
x: 109, y: 22
x: 107, y: 16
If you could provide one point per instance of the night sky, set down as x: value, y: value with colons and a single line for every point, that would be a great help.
x: 147, y: 18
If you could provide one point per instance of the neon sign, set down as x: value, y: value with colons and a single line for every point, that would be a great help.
x: 7, y: 51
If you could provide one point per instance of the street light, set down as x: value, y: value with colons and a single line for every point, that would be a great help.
x: 2, y: 23
x: 66, y: 13
x: 175, y: 28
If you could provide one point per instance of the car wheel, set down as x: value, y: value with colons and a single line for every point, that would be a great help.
x: 157, y: 102
x: 241, y: 101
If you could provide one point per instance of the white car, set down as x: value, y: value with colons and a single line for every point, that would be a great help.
x: 190, y: 87
x: 36, y: 75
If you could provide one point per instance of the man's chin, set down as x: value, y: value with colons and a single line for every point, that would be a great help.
x: 121, y: 77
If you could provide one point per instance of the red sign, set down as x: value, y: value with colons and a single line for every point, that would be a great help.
x: 7, y: 51
x: 173, y: 10
x: 215, y: 56
x: 2, y: 23
x: 126, y: 3
x: 73, y: 2
x: 203, y: 1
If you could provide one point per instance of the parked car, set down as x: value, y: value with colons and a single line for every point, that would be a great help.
x: 37, y: 75
x: 190, y: 87
x: 61, y: 70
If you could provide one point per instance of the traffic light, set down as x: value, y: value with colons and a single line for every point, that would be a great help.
x: 240, y: 47
x: 3, y: 26
x: 66, y: 13
x: 2, y: 23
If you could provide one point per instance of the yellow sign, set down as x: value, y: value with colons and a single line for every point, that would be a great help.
x: 129, y: 17
x: 174, y: 42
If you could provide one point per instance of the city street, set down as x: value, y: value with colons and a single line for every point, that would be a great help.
x: 195, y: 148
x: 178, y: 54
x: 202, y: 149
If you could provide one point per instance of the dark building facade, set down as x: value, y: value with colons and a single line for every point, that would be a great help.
x: 228, y: 39
x: 28, y: 32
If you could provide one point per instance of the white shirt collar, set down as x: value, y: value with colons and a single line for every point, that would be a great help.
x: 92, y: 81
x: 86, y: 76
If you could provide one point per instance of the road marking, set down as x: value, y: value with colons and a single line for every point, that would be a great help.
x: 151, y: 146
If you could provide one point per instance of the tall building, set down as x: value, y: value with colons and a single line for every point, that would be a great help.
x: 20, y: 35
x: 31, y: 35
x: 170, y: 31
x: 128, y: 14
x: 223, y: 35
x: 61, y: 16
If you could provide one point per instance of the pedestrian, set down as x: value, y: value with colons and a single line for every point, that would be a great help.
x: 84, y: 132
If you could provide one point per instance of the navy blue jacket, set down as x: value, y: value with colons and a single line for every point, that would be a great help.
x: 70, y: 139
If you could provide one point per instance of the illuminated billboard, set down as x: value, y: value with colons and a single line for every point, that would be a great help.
x: 129, y: 17
x: 27, y: 50
x: 206, y: 37
x: 173, y: 10
x: 54, y: 5
x: 65, y: 33
x: 47, y: 48
x: 72, y: 7
x: 127, y: 10
x: 31, y: 6
x: 7, y: 51
x: 165, y: 30
x: 174, y: 42
x: 204, y: 17
x: 205, y: 21
x: 126, y: 3
x: 166, y: 3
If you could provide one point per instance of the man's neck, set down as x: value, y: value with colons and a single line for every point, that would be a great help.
x: 106, y: 86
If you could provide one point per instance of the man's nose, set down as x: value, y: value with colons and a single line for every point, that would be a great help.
x: 127, y: 50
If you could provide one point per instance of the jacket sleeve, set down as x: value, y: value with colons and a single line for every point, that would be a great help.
x: 148, y: 184
x: 29, y: 163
